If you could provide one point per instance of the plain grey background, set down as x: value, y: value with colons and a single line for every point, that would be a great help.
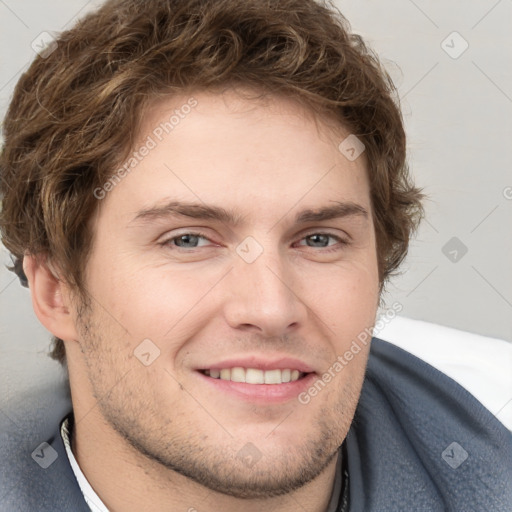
x: 451, y: 63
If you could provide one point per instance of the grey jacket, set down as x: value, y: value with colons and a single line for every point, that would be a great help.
x: 419, y: 442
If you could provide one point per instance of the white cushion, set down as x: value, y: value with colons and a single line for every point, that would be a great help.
x: 481, y: 365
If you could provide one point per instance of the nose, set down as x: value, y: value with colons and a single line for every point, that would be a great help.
x: 262, y: 297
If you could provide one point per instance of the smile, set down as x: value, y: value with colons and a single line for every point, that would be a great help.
x: 255, y: 375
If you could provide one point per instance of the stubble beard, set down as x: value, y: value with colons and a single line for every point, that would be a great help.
x: 158, y: 445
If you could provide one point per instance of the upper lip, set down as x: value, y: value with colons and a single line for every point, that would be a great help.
x: 260, y: 363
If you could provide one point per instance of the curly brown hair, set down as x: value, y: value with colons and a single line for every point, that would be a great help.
x: 75, y: 112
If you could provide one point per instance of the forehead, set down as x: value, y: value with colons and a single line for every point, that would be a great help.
x: 230, y: 149
x: 239, y: 101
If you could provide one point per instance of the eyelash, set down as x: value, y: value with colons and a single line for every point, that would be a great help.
x: 341, y: 241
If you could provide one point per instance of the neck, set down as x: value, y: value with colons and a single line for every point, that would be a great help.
x: 126, y: 480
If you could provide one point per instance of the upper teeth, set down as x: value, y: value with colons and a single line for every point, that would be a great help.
x: 254, y: 375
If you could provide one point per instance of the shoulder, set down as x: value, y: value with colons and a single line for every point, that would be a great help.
x: 480, y: 364
x: 35, y: 473
x: 422, y: 441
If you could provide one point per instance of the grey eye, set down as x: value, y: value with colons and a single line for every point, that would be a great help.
x: 318, y: 240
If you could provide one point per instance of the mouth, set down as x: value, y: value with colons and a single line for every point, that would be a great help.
x: 263, y: 386
x: 255, y: 375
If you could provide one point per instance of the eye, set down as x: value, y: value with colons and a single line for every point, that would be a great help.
x: 322, y: 240
x: 187, y: 241
x: 193, y: 240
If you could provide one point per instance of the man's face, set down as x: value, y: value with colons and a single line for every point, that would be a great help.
x: 269, y: 286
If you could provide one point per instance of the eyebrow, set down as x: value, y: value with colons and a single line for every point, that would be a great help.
x: 341, y: 209
x: 210, y: 212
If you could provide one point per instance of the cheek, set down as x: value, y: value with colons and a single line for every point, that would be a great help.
x: 155, y: 302
x: 344, y: 294
x: 161, y: 302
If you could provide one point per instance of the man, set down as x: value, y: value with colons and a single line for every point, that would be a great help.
x: 206, y: 198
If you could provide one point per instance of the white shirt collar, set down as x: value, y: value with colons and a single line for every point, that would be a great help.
x: 91, y: 498
x: 96, y: 505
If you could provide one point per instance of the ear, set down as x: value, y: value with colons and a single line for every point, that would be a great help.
x: 50, y: 298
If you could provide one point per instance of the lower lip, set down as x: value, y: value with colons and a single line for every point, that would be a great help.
x: 265, y: 393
